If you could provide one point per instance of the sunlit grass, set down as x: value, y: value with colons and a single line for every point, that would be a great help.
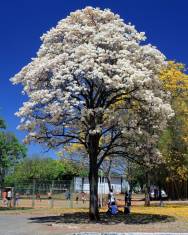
x: 179, y: 211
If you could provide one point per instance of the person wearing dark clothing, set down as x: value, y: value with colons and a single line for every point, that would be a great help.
x: 126, y: 198
x: 127, y: 202
x: 77, y: 198
x: 156, y: 193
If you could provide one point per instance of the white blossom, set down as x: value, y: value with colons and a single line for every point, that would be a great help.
x: 90, y: 72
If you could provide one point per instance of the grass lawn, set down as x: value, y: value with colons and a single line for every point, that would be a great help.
x: 179, y: 211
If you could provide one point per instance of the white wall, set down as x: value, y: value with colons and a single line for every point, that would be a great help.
x: 102, y: 186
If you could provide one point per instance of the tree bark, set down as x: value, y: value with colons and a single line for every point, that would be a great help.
x: 82, y: 184
x: 93, y: 178
x: 147, y: 190
x: 109, y: 182
x: 108, y: 176
x: 2, y: 176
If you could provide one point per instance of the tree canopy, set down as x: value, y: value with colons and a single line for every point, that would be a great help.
x: 11, y: 151
x: 44, y: 169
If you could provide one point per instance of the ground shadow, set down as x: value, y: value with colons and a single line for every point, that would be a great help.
x: 82, y: 218
x: 15, y: 208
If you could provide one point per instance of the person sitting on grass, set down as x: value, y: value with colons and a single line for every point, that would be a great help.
x: 113, y: 209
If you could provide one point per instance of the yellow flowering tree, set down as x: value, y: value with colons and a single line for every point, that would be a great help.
x: 174, y: 141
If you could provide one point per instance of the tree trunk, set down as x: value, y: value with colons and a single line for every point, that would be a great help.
x: 147, y: 190
x: 2, y: 176
x: 93, y: 178
x: 108, y: 176
x: 109, y: 182
x: 160, y: 196
x: 93, y: 207
x: 82, y: 184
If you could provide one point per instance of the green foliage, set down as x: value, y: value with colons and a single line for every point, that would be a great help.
x: 74, y: 168
x: 11, y: 151
x: 135, y: 175
x: 44, y: 169
x: 2, y: 124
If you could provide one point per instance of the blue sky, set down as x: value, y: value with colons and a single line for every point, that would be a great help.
x: 22, y: 23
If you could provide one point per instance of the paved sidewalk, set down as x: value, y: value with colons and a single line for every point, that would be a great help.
x: 32, y: 225
x: 21, y: 225
x: 128, y: 233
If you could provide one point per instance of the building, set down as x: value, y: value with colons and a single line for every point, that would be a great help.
x: 118, y: 183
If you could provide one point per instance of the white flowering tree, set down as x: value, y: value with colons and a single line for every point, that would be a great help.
x: 86, y: 84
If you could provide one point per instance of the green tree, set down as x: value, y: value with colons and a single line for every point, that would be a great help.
x: 44, y: 169
x: 11, y: 151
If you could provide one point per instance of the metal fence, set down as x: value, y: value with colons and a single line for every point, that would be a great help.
x: 44, y: 194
